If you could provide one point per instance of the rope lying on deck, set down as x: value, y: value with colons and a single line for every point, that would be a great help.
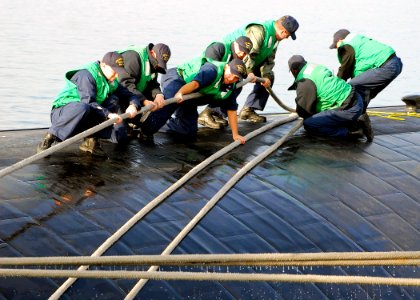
x: 392, y: 258
x: 198, y: 276
x: 169, y: 191
x: 407, y: 258
x: 213, y: 201
x: 356, y: 258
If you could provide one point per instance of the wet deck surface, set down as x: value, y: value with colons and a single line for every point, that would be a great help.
x: 312, y: 195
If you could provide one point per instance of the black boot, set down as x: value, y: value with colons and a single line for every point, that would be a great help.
x: 364, y: 123
x: 219, y: 119
x: 248, y: 113
x: 146, y: 138
x: 93, y: 146
x: 354, y: 135
x: 206, y: 119
x: 46, y: 143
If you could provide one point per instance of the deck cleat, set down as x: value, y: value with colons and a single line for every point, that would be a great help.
x: 412, y: 103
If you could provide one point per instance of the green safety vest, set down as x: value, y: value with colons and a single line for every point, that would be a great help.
x: 189, y: 70
x: 369, y: 53
x: 331, y: 91
x: 270, y: 42
x: 69, y: 92
x: 146, y: 74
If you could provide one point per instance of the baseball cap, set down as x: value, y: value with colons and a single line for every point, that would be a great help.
x: 237, y: 67
x: 339, y: 35
x: 163, y: 53
x: 291, y: 25
x: 115, y: 61
x: 244, y: 43
x: 295, y: 62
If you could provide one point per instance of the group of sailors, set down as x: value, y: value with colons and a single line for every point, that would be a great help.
x: 126, y: 80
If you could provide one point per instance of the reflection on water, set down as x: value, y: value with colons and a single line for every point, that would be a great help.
x: 41, y: 40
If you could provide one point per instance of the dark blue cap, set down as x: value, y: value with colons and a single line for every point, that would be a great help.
x: 237, y: 67
x: 339, y: 35
x: 291, y: 25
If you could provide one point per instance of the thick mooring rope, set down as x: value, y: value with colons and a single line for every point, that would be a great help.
x: 275, y: 97
x: 213, y: 201
x: 215, y: 276
x: 392, y: 258
x: 169, y: 191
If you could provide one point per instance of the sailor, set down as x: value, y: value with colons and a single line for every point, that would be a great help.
x: 227, y: 50
x: 371, y: 65
x: 328, y: 105
x: 215, y: 80
x: 265, y: 37
x: 142, y: 65
x: 88, y: 98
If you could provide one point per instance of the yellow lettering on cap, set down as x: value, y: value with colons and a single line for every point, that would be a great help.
x: 248, y: 45
x: 165, y: 57
x: 120, y: 62
x: 241, y: 69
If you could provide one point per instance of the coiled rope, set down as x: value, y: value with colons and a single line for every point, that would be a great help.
x: 213, y: 201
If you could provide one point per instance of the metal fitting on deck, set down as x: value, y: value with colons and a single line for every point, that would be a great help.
x: 412, y: 103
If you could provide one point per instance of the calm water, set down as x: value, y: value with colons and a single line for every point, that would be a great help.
x: 41, y: 40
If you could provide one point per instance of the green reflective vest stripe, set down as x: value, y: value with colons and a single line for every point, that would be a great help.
x: 146, y: 73
x: 270, y: 42
x: 69, y: 92
x: 331, y: 91
x: 369, y: 53
x: 190, y: 69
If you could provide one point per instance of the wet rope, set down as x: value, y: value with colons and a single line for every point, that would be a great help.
x: 169, y: 191
x: 213, y: 201
x: 400, y: 258
x: 93, y: 130
x: 215, y: 276
x: 276, y: 98
x: 279, y: 102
